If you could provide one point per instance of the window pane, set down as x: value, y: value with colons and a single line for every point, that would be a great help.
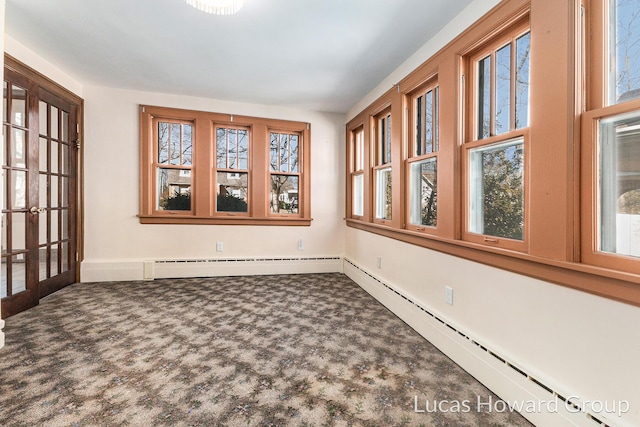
x: 359, y: 154
x: 18, y: 190
x: 418, y: 116
x: 388, y: 140
x: 428, y: 122
x: 424, y: 201
x: 187, y: 144
x: 624, y: 79
x: 221, y: 148
x: 383, y: 194
x: 232, y: 190
x: 163, y: 143
x: 619, y: 191
x: 523, y: 47
x: 42, y: 115
x: 18, y: 106
x: 358, y: 195
x: 174, y: 189
x: 174, y: 144
x: 284, y: 194
x: 293, y: 160
x: 284, y: 153
x: 243, y: 150
x: 503, y: 89
x: 274, y: 149
x: 436, y: 119
x: 496, y: 197
x: 232, y: 149
x: 18, y: 148
x: 484, y: 98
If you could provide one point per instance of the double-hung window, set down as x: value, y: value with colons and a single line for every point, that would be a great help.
x: 497, y: 83
x: 423, y: 157
x: 611, y: 137
x: 382, y: 168
x: 210, y: 168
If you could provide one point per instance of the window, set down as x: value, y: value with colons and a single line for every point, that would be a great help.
x: 423, y: 160
x: 611, y: 138
x: 357, y: 173
x: 211, y: 168
x: 496, y: 147
x: 383, y: 171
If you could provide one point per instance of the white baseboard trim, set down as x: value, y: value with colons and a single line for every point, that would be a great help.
x: 541, y: 404
x: 104, y: 271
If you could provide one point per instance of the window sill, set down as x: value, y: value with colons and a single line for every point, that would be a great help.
x: 235, y: 220
x: 612, y: 284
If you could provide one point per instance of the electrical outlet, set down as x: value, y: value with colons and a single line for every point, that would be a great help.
x: 300, y: 245
x: 379, y: 262
x: 219, y: 246
x: 448, y: 295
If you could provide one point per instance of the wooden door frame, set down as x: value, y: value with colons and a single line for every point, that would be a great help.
x: 54, y: 88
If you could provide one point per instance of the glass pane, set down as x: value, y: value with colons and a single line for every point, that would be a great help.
x: 65, y: 126
x: 54, y: 122
x: 42, y: 115
x: 53, y: 261
x: 43, y: 262
x: 18, y: 274
x: 523, y: 47
x: 221, y: 148
x: 274, y: 149
x: 619, y: 190
x: 18, y: 231
x: 163, y: 143
x: 436, y: 119
x: 64, y: 184
x: 54, y: 156
x: 174, y: 143
x: 503, y: 90
x: 3, y: 155
x: 360, y: 150
x: 43, y: 154
x: 5, y: 103
x: 419, y: 120
x: 232, y: 149
x: 293, y: 160
x: 428, y: 122
x: 424, y: 201
x: 385, y: 138
x: 64, y: 157
x: 174, y: 189
x: 54, y: 225
x: 54, y: 191
x: 243, y: 150
x: 232, y: 191
x: 484, y: 98
x: 64, y: 257
x: 4, y: 247
x: 285, y: 153
x: 18, y: 189
x: 18, y: 106
x: 496, y: 196
x: 187, y: 144
x: 284, y: 194
x: 358, y: 195
x: 42, y: 228
x: 383, y: 194
x: 18, y: 148
x: 42, y: 190
x: 65, y: 224
x: 624, y: 79
x: 3, y: 276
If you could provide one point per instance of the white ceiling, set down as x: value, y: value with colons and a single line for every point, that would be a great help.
x: 322, y: 55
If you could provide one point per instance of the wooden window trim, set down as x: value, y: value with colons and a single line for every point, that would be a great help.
x: 204, y: 169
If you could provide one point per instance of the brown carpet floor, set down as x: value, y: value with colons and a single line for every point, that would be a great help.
x: 287, y: 350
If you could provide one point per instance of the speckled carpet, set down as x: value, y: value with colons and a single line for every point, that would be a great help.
x: 287, y: 350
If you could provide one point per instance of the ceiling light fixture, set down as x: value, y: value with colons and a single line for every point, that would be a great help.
x: 217, y: 7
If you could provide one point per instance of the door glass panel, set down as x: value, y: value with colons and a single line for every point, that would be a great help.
x: 54, y: 261
x: 19, y: 148
x: 54, y: 225
x: 43, y: 118
x: 4, y: 232
x: 18, y: 189
x: 54, y: 122
x: 64, y: 257
x: 65, y: 224
x: 42, y: 231
x: 64, y: 183
x: 18, y: 106
x: 54, y: 191
x: 3, y: 279
x: 43, y: 154
x: 18, y: 231
x: 42, y: 264
x: 43, y: 191
x: 18, y: 274
x: 5, y: 104
x: 54, y: 157
x: 65, y: 158
x: 65, y: 126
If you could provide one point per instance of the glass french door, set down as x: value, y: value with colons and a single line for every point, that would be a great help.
x: 39, y: 193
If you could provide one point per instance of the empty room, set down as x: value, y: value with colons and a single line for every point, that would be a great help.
x: 320, y: 213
